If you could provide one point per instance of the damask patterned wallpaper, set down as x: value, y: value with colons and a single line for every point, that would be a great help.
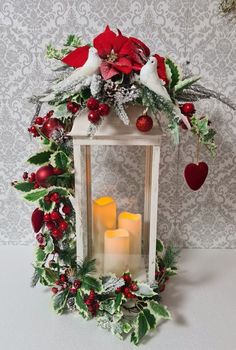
x: 184, y: 29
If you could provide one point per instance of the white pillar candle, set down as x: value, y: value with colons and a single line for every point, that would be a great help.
x: 104, y: 218
x: 116, y: 251
x: 133, y: 224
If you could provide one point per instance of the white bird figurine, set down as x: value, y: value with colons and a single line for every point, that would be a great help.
x: 90, y: 67
x: 150, y: 78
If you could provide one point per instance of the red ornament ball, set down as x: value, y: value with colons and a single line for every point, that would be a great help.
x: 103, y: 109
x: 144, y: 123
x: 43, y: 174
x: 50, y: 126
x: 94, y: 117
x: 37, y: 219
x: 92, y: 103
x: 187, y: 108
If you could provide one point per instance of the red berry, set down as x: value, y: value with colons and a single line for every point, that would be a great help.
x: 66, y: 209
x: 45, y: 119
x: 94, y: 117
x: 54, y: 197
x: 75, y: 108
x: 103, y: 109
x: 39, y: 121
x: 54, y: 290
x: 32, y: 129
x: 73, y: 290
x: 70, y: 106
x: 25, y: 175
x: 63, y: 225
x: 88, y: 302
x: 55, y: 215
x: 40, y: 238
x: 92, y: 294
x: 50, y: 225
x: 77, y: 284
x: 127, y: 278
x: 58, y: 282
x: 130, y: 295
x: 144, y: 123
x: 49, y: 114
x: 57, y: 171
x: 119, y: 290
x: 47, y: 199
x: 187, y: 108
x: 92, y: 103
x: 57, y: 234
x: 36, y: 185
x: 90, y: 308
x: 47, y: 217
x: 126, y: 291
x: 63, y: 278
x: 134, y: 287
x: 32, y: 176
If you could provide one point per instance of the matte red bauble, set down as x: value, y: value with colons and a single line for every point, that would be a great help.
x: 37, y: 219
x: 195, y: 175
x: 43, y: 174
x: 144, y: 123
x: 50, y: 126
x: 187, y: 108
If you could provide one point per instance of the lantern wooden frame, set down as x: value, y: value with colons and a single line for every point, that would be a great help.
x: 114, y: 132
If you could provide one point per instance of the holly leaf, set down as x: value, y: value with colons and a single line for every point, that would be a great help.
x: 160, y: 311
x: 59, y: 301
x: 108, y: 305
x: 73, y: 40
x: 40, y: 158
x: 49, y: 246
x: 159, y: 246
x: 40, y: 256
x: 49, y: 276
x: 24, y: 186
x: 61, y: 110
x: 80, y: 305
x: 184, y: 84
x: 90, y: 282
x: 46, y: 206
x: 35, y: 195
x: 60, y: 160
x: 151, y: 319
x: 175, y: 72
x: 141, y: 327
x: 144, y: 291
x: 118, y: 301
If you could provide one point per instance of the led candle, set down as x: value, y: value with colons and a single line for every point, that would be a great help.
x: 133, y: 224
x: 104, y: 218
x: 116, y: 251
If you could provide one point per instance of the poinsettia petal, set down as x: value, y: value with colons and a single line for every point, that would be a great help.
x: 107, y: 70
x: 161, y: 68
x: 78, y: 57
x: 119, y: 42
x: 104, y: 42
x: 136, y: 66
x: 141, y: 45
x: 123, y: 65
x: 127, y: 49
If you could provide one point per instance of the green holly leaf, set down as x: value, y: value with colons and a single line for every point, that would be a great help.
x: 61, y: 111
x: 159, y: 246
x: 40, y: 256
x: 80, y: 305
x: 151, y: 319
x: 141, y: 327
x: 49, y: 246
x: 60, y: 160
x: 57, y: 54
x: 160, y: 311
x: 90, y: 282
x: 108, y: 305
x: 35, y: 195
x: 46, y: 206
x: 60, y: 190
x: 40, y: 158
x: 59, y: 301
x: 144, y: 291
x: 184, y: 84
x: 175, y: 72
x: 118, y: 301
x: 49, y: 276
x: 24, y: 186
x: 73, y: 40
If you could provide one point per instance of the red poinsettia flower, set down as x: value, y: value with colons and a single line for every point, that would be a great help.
x: 161, y: 68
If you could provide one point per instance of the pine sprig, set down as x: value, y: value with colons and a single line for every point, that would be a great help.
x: 170, y: 257
x: 87, y: 266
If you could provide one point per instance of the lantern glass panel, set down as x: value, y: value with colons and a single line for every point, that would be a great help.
x: 118, y: 202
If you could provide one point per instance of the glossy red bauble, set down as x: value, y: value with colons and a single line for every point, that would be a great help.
x: 144, y: 123
x: 43, y: 174
x: 37, y: 219
x: 187, y: 108
x: 92, y: 103
x: 103, y: 109
x: 94, y: 117
x: 195, y: 175
x: 50, y: 126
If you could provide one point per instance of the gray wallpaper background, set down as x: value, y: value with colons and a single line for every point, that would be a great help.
x: 185, y: 30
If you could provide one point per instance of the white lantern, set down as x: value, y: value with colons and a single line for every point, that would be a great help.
x: 118, y: 238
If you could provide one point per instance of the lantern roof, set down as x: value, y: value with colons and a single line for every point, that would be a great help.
x: 113, y: 131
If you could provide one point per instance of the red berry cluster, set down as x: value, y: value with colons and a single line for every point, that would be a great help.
x: 92, y: 303
x: 188, y: 109
x: 30, y: 178
x: 39, y: 121
x: 161, y: 278
x: 64, y: 283
x: 56, y: 224
x: 96, y: 110
x: 73, y: 107
x: 129, y: 287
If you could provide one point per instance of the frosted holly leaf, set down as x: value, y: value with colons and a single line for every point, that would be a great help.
x: 144, y: 290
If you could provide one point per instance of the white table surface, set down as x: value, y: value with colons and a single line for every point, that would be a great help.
x: 202, y: 300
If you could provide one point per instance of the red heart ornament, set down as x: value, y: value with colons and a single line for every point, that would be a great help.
x: 195, y: 175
